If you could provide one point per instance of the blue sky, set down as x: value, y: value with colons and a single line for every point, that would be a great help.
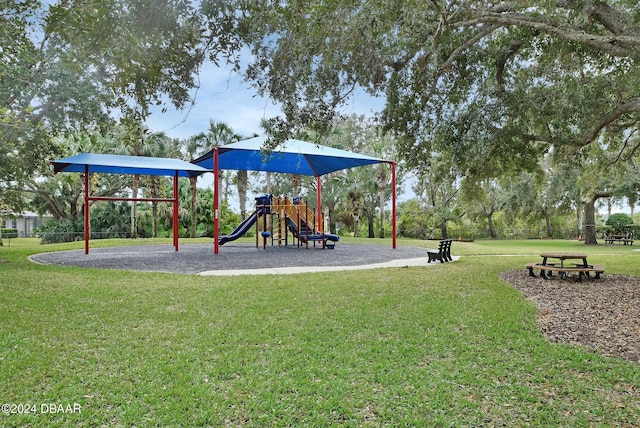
x: 223, y: 96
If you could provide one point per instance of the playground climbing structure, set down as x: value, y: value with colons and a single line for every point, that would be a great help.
x: 276, y: 218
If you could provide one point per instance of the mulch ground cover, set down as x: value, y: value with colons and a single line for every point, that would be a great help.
x: 603, y: 314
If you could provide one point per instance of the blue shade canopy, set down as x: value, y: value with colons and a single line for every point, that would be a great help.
x: 291, y: 157
x: 117, y: 164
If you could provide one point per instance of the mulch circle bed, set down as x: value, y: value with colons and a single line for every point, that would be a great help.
x: 602, y: 314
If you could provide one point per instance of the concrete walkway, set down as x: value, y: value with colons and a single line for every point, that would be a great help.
x: 400, y: 263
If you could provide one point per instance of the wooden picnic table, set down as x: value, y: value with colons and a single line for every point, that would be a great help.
x: 562, y: 257
x: 622, y: 239
x: 547, y: 267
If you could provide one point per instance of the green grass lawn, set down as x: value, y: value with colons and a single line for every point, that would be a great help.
x: 445, y: 345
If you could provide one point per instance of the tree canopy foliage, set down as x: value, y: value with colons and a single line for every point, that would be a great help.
x: 480, y: 91
x: 490, y: 84
x: 73, y: 65
x: 492, y: 87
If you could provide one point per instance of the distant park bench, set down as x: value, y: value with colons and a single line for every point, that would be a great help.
x: 443, y: 253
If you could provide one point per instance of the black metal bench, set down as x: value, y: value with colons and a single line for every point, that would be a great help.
x: 443, y: 253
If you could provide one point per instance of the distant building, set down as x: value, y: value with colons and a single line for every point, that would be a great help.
x: 25, y: 222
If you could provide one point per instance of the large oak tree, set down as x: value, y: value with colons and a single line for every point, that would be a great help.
x: 69, y: 65
x: 492, y: 86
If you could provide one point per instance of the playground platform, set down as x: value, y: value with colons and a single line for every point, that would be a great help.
x: 238, y: 259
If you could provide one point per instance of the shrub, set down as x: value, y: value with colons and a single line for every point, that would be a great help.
x: 53, y: 231
x: 9, y: 232
x: 618, y: 222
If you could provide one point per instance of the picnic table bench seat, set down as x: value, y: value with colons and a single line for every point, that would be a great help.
x: 619, y: 240
x: 582, y: 270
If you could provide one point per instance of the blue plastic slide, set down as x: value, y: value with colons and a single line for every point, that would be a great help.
x: 303, y: 235
x: 242, y: 228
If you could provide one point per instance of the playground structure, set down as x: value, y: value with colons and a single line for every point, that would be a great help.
x: 290, y: 157
x: 280, y: 216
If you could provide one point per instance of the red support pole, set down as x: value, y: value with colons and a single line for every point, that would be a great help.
x: 319, y: 186
x: 393, y: 204
x: 319, y: 215
x: 87, y: 190
x: 306, y: 222
x: 175, y: 211
x: 113, y: 198
x: 279, y: 217
x: 299, y: 220
x: 216, y: 214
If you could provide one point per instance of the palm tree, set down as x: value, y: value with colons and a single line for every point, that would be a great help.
x: 330, y: 196
x: 242, y: 182
x: 166, y: 211
x: 194, y: 147
x: 381, y: 147
x: 352, y: 201
x: 142, y: 142
x: 166, y: 148
x: 220, y: 134
x: 382, y: 181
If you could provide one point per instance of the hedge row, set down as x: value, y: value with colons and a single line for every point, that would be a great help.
x: 9, y: 232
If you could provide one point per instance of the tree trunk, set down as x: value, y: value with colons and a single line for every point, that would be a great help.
x: 492, y: 228
x: 547, y: 219
x: 296, y: 180
x: 155, y: 193
x: 226, y: 192
x: 580, y: 218
x: 154, y: 219
x: 443, y: 230
x: 332, y: 222
x: 242, y: 180
x: 193, y: 181
x: 590, y: 225
x: 371, y: 225
x: 76, y: 201
x: 590, y: 217
x: 268, y: 183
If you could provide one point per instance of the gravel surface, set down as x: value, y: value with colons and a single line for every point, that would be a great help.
x: 196, y: 258
x: 603, y: 314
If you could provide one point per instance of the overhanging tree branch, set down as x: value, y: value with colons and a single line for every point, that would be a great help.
x: 484, y: 32
x: 632, y: 150
x: 616, y: 44
x: 631, y: 106
x: 502, y: 61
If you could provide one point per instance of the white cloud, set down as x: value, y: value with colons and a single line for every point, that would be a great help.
x: 224, y: 97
